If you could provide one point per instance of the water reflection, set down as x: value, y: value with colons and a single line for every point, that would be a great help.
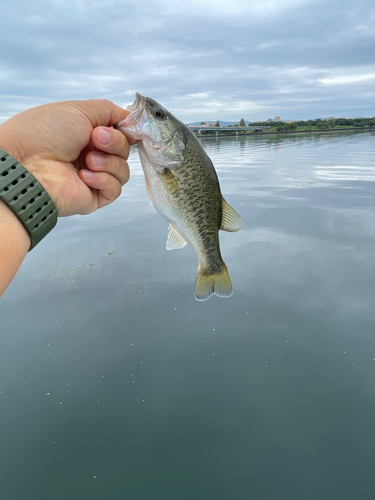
x: 116, y: 383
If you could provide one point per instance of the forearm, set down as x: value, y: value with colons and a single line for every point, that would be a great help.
x: 14, y: 244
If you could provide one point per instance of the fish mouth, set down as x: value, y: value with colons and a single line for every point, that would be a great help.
x: 134, y: 121
x: 139, y: 100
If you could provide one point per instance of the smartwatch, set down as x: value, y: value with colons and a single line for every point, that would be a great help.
x: 26, y: 198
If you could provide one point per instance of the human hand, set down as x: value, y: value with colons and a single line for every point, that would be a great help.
x: 72, y: 150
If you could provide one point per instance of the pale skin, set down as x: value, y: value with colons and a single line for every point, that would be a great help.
x: 73, y: 151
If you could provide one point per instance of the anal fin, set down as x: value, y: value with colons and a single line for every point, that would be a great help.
x: 174, y: 239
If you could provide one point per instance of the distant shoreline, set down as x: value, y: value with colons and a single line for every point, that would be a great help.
x: 255, y: 134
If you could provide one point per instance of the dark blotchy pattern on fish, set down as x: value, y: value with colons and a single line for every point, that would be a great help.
x: 182, y: 183
x: 200, y: 199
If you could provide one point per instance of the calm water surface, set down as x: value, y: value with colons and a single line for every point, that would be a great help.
x: 116, y: 384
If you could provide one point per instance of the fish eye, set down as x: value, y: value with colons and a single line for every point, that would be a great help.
x: 158, y: 113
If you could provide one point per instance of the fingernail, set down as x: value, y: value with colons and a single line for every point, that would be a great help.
x: 97, y: 159
x: 87, y: 174
x: 104, y: 136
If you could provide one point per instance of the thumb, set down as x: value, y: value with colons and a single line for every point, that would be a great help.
x: 101, y: 111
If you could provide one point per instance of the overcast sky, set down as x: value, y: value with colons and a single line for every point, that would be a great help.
x: 201, y: 59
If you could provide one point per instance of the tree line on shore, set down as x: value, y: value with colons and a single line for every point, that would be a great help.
x: 301, y: 125
x: 320, y: 124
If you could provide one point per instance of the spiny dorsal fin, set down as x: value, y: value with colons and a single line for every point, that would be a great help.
x: 230, y: 220
x: 174, y: 239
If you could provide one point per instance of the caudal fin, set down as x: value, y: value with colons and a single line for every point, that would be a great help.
x: 218, y: 284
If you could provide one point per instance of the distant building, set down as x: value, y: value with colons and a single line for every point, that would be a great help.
x: 277, y: 118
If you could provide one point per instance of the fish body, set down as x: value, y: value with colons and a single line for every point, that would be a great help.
x: 182, y: 184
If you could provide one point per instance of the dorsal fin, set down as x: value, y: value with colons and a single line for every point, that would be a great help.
x: 230, y: 220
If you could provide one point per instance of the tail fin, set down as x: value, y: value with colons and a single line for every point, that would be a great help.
x: 218, y: 283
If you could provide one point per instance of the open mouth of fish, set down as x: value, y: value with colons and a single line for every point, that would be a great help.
x: 134, y: 121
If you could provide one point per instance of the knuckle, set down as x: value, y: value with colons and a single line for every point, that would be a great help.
x: 116, y: 190
x: 126, y: 173
x: 104, y: 103
x: 122, y: 171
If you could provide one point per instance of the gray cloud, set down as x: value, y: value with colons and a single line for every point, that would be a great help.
x: 201, y: 59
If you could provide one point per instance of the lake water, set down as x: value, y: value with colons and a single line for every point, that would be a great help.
x: 115, y: 383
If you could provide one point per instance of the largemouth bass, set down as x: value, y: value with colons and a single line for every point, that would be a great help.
x: 182, y: 184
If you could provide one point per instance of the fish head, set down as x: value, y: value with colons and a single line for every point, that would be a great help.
x: 159, y: 130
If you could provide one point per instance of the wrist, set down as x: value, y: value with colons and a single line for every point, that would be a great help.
x: 8, y: 144
x: 23, y: 194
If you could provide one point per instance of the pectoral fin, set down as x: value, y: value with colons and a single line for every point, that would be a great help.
x: 174, y: 239
x: 230, y: 220
x: 170, y: 182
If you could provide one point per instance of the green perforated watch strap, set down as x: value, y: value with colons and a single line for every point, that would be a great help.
x: 27, y: 198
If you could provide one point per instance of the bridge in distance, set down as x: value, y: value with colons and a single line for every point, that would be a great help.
x: 198, y: 128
